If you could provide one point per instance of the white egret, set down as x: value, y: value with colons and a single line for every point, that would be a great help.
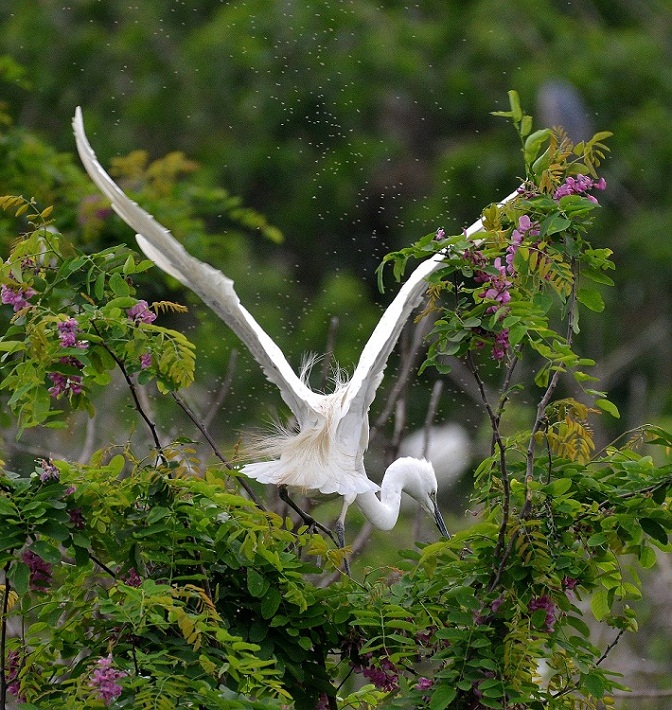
x: 326, y: 453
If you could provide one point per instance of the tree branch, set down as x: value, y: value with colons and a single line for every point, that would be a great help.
x: 213, y: 445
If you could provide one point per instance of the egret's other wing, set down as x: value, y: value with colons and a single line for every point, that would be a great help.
x: 369, y: 371
x: 214, y: 288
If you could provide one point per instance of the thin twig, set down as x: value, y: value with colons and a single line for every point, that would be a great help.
x: 546, y: 398
x: 406, y: 367
x: 610, y: 647
x: 223, y: 391
x: 3, y: 640
x: 506, y: 488
x: 434, y: 398
x: 356, y: 547
x: 136, y: 400
x: 328, y: 352
x: 643, y: 694
x: 213, y: 445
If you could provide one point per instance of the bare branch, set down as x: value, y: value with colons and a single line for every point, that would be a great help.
x: 213, y: 445
x: 223, y: 391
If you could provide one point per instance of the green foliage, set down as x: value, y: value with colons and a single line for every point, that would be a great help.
x: 212, y: 586
x: 139, y: 584
x: 74, y: 322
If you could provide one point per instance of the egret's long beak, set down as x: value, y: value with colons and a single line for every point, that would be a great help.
x: 438, y: 519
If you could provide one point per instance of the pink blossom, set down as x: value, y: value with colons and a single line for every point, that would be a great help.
x: 15, y: 296
x: 501, y: 346
x: 424, y: 683
x: 76, y: 518
x: 104, y: 680
x: 70, y: 384
x: 66, y: 384
x: 67, y: 334
x: 382, y: 678
x: 145, y: 360
x: 579, y: 185
x: 140, y: 313
x: 49, y: 471
x: 548, y: 605
x: 440, y: 234
x: 12, y: 675
x: 497, y: 603
x: 40, y: 571
x: 132, y: 578
x: 526, y: 228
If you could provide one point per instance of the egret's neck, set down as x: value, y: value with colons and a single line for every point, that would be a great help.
x: 382, y: 512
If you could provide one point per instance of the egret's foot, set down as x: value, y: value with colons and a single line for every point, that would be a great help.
x: 306, y: 517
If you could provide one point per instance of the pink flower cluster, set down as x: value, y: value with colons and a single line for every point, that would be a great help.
x: 424, y: 683
x: 104, y: 680
x: 140, y: 313
x: 15, y: 296
x: 132, y: 578
x: 548, y: 605
x: 580, y: 185
x: 67, y: 334
x: 40, y: 571
x: 526, y: 228
x: 145, y: 360
x: 76, y: 518
x: 66, y: 384
x: 385, y: 676
x: 12, y: 674
x: 48, y: 471
x: 496, y: 286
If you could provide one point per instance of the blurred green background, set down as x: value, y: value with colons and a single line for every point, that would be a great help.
x: 353, y: 127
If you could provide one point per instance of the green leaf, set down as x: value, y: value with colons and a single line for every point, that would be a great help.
x: 257, y: 584
x: 594, y: 684
x: 609, y: 407
x: 579, y: 625
x: 558, y: 487
x: 599, y: 604
x: 99, y: 286
x: 119, y: 286
x: 534, y: 142
x: 116, y: 464
x: 591, y: 299
x: 654, y: 530
x: 554, y: 223
x: 270, y: 603
x: 20, y: 578
x: 47, y: 552
x: 442, y: 697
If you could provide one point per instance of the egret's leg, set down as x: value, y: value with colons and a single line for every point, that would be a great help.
x: 306, y: 517
x: 340, y: 527
x: 340, y: 523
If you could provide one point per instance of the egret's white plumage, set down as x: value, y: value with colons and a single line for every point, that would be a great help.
x: 326, y: 454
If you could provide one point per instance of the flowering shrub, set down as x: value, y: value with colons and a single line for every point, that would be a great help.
x: 138, y: 584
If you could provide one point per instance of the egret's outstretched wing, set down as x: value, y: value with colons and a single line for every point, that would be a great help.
x: 212, y: 286
x: 369, y: 371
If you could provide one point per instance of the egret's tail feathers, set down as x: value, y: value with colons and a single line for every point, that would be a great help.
x: 308, y: 460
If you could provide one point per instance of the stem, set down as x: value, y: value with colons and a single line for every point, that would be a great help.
x: 540, y: 417
x: 223, y: 390
x: 406, y: 367
x: 136, y: 401
x: 3, y: 641
x: 213, y: 445
x: 506, y: 488
x: 609, y: 648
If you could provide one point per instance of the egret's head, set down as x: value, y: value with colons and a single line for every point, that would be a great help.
x: 418, y: 479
